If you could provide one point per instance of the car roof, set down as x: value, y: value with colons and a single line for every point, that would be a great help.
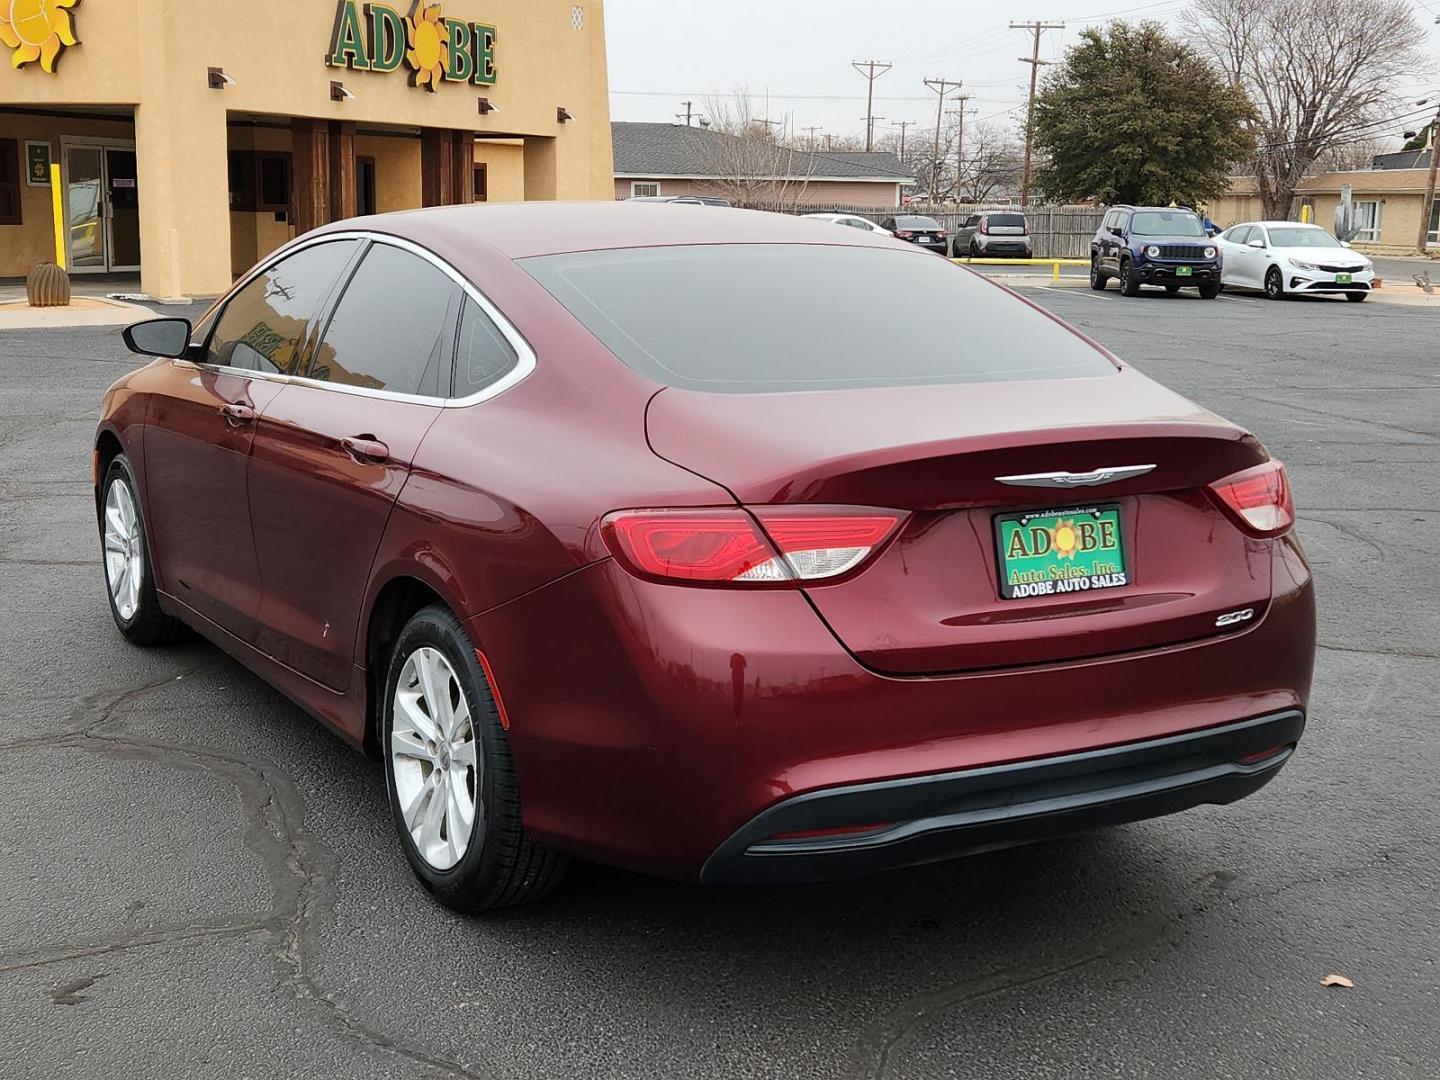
x: 1283, y: 224
x: 523, y: 230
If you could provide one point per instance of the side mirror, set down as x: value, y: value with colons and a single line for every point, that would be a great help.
x: 169, y: 338
x: 1256, y: 244
x: 1344, y: 243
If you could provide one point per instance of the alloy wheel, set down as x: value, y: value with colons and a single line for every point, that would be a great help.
x: 434, y: 758
x: 124, y: 560
x: 1274, y: 287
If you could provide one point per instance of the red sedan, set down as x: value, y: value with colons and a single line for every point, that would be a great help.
x: 713, y: 545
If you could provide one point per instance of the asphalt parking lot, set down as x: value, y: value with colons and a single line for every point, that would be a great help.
x: 198, y: 881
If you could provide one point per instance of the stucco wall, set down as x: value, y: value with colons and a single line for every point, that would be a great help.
x: 505, y: 168
x: 33, y: 240
x: 153, y: 54
x: 815, y: 193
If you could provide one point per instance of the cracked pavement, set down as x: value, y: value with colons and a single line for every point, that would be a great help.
x: 198, y: 881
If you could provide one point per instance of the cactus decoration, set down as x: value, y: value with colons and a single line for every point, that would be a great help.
x: 47, y: 286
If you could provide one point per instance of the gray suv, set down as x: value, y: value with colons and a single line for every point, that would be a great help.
x: 1001, y: 232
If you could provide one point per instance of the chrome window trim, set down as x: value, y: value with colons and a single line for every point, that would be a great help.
x: 525, y: 356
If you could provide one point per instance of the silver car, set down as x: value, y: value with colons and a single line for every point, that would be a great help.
x: 994, y: 234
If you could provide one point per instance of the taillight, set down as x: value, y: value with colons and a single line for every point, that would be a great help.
x: 789, y: 546
x: 985, y: 226
x: 904, y: 234
x: 1259, y: 498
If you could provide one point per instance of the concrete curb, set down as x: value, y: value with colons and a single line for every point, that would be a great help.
x: 82, y: 311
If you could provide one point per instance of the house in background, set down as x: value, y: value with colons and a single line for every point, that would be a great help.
x: 673, y: 159
x: 1388, y: 202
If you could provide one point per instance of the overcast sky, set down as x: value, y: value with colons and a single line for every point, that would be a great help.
x: 664, y: 51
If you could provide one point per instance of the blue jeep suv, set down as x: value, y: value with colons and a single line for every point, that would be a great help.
x: 1154, y: 245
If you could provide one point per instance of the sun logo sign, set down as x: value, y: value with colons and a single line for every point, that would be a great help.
x: 373, y: 37
x: 37, y: 30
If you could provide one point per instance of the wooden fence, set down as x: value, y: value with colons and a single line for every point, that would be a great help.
x: 1058, y: 232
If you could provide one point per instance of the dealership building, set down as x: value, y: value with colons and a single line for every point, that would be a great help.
x: 194, y: 137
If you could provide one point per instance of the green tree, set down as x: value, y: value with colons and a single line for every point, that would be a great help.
x: 1131, y: 115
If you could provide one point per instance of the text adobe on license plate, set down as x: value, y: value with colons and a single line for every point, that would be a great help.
x: 1057, y: 552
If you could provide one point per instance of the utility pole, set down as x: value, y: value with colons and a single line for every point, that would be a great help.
x: 810, y: 131
x: 689, y: 105
x: 943, y: 88
x: 872, y: 70
x: 1427, y: 205
x: 902, y: 125
x: 1037, y: 28
x: 959, y: 115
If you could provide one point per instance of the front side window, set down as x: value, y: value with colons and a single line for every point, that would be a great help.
x: 393, y: 328
x: 263, y: 325
x: 766, y: 318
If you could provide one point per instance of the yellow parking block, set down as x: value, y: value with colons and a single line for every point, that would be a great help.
x: 1054, y: 264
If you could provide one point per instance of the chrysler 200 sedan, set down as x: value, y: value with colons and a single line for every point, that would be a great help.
x: 645, y: 536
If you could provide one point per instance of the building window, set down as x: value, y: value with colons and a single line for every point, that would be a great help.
x: 482, y: 183
x: 260, y: 181
x: 648, y: 188
x: 1367, y: 221
x: 1435, y: 222
x: 9, y: 182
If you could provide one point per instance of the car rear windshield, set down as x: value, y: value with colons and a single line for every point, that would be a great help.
x: 910, y: 221
x: 1006, y: 221
x: 766, y: 318
x: 1166, y: 223
x: 1313, y: 238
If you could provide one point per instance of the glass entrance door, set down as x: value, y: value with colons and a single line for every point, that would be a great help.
x: 85, y: 207
x: 123, y: 209
x: 103, y: 208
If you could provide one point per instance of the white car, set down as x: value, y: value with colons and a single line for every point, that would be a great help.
x: 1284, y: 257
x: 852, y: 220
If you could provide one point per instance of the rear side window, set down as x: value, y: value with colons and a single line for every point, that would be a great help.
x: 483, y: 354
x: 263, y: 326
x: 760, y: 318
x: 393, y: 328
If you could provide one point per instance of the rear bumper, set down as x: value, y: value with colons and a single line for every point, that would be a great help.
x: 1017, y: 246
x: 849, y: 831
x: 650, y: 723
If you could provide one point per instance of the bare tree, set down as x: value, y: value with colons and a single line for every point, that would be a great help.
x: 1321, y: 74
x: 753, y: 164
x: 1346, y: 156
x: 992, y: 164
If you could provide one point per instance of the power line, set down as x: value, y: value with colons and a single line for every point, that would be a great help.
x: 1037, y: 28
x: 942, y: 87
x: 867, y: 68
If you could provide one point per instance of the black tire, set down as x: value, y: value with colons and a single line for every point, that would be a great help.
x: 957, y: 250
x: 1274, y: 284
x: 1356, y: 297
x: 1097, y: 278
x: 501, y: 866
x: 1129, y: 282
x: 147, y: 624
x: 1209, y: 290
x: 975, y: 252
x: 1172, y: 288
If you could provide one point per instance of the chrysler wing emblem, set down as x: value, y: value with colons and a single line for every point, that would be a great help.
x: 1093, y: 478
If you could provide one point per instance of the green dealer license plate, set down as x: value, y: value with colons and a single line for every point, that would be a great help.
x: 1342, y: 279
x: 1182, y: 271
x: 1052, y: 552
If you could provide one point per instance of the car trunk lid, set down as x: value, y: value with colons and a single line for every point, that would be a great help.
x: 931, y: 601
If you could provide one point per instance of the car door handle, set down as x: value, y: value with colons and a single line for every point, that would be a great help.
x: 238, y: 414
x: 366, y: 448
